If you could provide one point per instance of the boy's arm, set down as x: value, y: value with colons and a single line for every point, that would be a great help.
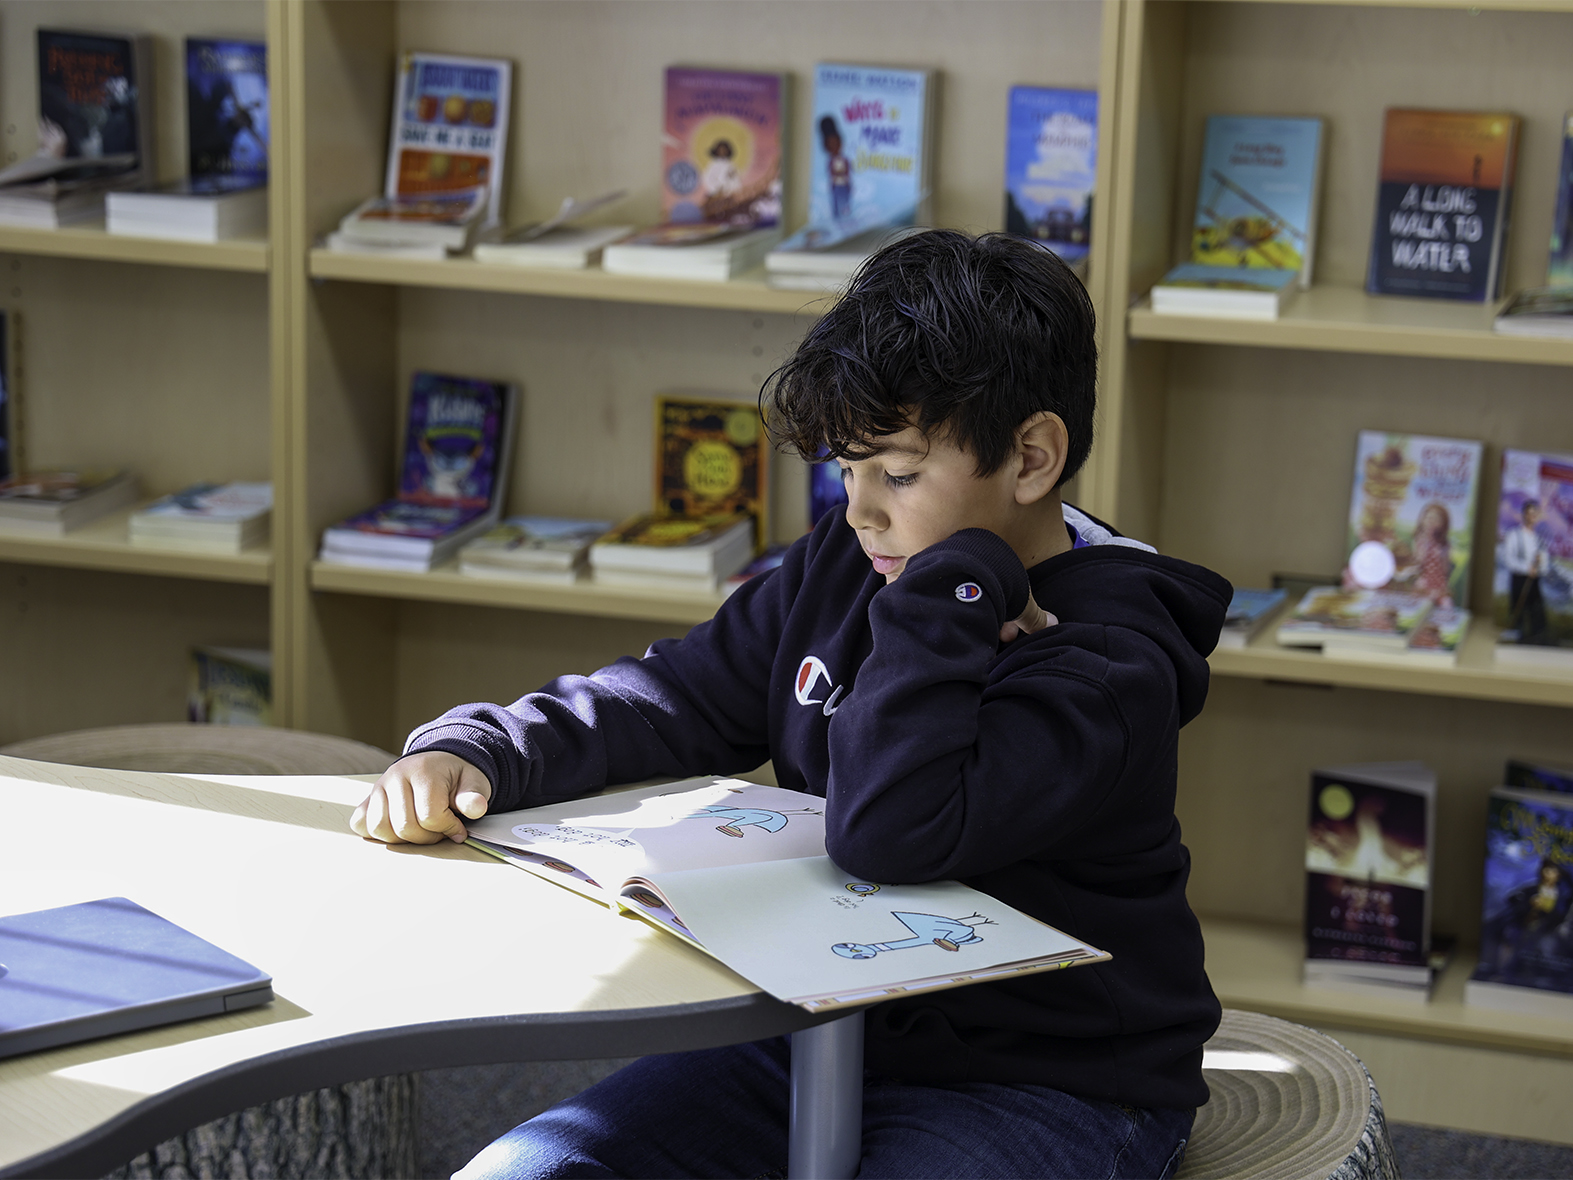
x: 939, y: 769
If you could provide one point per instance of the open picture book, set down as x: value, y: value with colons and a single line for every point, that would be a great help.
x: 739, y: 870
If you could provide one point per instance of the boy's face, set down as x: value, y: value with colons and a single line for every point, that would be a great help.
x: 916, y: 492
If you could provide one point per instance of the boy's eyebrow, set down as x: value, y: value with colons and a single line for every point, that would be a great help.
x: 894, y: 449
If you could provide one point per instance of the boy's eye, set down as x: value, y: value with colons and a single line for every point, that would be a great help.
x: 900, y: 481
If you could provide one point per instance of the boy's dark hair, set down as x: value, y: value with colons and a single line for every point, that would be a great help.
x: 962, y: 337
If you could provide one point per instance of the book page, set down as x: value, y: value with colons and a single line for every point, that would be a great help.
x: 811, y: 934
x: 696, y: 823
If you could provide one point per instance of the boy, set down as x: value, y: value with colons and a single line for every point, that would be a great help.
x: 899, y: 664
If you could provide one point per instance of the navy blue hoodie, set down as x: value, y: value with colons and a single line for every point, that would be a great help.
x: 1041, y: 772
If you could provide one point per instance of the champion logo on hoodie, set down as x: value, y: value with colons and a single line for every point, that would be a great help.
x: 809, y: 673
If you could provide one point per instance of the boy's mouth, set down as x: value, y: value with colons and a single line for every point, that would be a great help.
x: 886, y: 565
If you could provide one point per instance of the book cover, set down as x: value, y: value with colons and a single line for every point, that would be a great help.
x: 1442, y: 204
x: 721, y: 148
x: 1203, y: 277
x: 870, y: 162
x: 56, y: 487
x: 1439, y: 633
x: 450, y: 128
x: 214, y: 502
x: 1559, y: 272
x: 1533, y: 776
x: 826, y: 488
x: 90, y: 98
x: 1368, y: 864
x: 406, y: 518
x: 717, y: 861
x: 711, y: 458
x: 1532, y: 584
x: 537, y: 540
x: 1379, y: 617
x: 230, y: 686
x: 226, y: 110
x: 1526, y: 928
x: 1051, y: 154
x: 1412, y: 515
x: 9, y: 434
x: 1256, y: 200
x: 660, y: 531
x: 454, y: 441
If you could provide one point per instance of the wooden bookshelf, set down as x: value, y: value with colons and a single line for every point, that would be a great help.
x: 92, y: 242
x: 104, y: 545
x: 1346, y: 319
x: 746, y: 293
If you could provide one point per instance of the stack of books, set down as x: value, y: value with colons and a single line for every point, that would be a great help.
x: 207, y: 518
x: 458, y: 444
x: 1368, y: 880
x: 1253, y: 237
x: 871, y: 172
x: 551, y: 550
x: 673, y: 552
x: 721, y: 178
x: 444, y: 182
x: 52, y: 503
x: 225, y: 193
x: 1249, y: 611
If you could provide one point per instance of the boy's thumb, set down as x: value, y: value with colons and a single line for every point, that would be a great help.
x: 470, y: 804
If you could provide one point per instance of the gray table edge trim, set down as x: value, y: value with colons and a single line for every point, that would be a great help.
x: 553, y: 1036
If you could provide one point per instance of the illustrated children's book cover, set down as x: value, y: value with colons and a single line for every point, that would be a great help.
x: 450, y: 129
x: 230, y: 686
x: 1559, y: 273
x: 227, y: 110
x: 1368, y: 863
x: 91, y: 103
x: 712, y: 458
x: 1526, y: 929
x: 1412, y: 515
x: 1372, y: 618
x: 1051, y: 155
x: 1534, y: 776
x: 1256, y: 200
x: 739, y: 870
x: 1532, y: 585
x: 1442, y: 204
x: 722, y: 147
x: 453, y: 441
x: 870, y: 163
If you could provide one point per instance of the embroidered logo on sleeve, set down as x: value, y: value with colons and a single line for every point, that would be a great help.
x: 809, y: 673
x: 969, y: 592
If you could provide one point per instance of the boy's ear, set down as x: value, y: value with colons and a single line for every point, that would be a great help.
x: 1041, y: 445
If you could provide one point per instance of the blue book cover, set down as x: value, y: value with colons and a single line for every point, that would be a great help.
x: 1051, y: 154
x: 1249, y: 605
x: 1256, y: 198
x: 869, y: 166
x: 454, y: 443
x: 1560, y: 272
x: 226, y: 110
x: 1526, y: 929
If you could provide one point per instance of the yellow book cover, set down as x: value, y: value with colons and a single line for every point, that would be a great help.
x: 711, y: 458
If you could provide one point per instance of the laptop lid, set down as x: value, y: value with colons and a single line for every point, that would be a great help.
x: 109, y: 966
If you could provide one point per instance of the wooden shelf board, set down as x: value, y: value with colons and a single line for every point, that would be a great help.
x: 1344, y: 319
x: 446, y: 584
x: 748, y: 293
x: 91, y: 241
x: 1257, y: 966
x: 1475, y: 676
x: 103, y: 545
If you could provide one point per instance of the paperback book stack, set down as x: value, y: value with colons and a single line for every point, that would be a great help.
x: 225, y: 192
x: 1526, y: 930
x: 445, y: 160
x: 1249, y: 611
x: 1368, y: 879
x: 94, y: 130
x: 557, y: 243
x: 52, y: 503
x: 869, y: 176
x: 550, y: 550
x: 710, y: 495
x: 721, y: 179
x: 1532, y: 585
x: 207, y: 518
x: 1254, y: 236
x: 458, y: 444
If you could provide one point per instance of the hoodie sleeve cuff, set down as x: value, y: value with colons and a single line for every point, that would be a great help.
x: 1009, y: 577
x: 462, y: 741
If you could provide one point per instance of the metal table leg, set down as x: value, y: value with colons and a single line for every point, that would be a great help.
x: 826, y: 1133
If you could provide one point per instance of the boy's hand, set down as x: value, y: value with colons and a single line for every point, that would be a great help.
x: 1034, y: 618
x: 423, y: 799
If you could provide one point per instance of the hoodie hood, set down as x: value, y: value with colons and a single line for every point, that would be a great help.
x: 1113, y: 581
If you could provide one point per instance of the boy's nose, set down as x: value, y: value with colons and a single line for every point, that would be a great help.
x: 863, y: 511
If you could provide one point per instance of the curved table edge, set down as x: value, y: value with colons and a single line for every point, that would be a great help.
x: 482, y: 1040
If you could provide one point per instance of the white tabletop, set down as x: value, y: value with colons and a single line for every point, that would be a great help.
x: 383, y: 959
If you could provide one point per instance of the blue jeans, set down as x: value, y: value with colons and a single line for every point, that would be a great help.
x: 723, y: 1113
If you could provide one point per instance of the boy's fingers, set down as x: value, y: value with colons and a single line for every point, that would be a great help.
x: 436, y: 818
x: 409, y: 809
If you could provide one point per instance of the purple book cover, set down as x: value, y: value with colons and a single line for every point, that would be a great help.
x: 401, y: 518
x: 721, y: 151
x: 1526, y: 930
x: 453, y: 445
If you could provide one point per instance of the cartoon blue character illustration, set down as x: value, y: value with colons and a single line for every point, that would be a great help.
x: 739, y: 818
x: 949, y: 934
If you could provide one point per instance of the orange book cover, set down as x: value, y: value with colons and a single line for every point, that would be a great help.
x: 1443, y: 198
x: 712, y: 458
